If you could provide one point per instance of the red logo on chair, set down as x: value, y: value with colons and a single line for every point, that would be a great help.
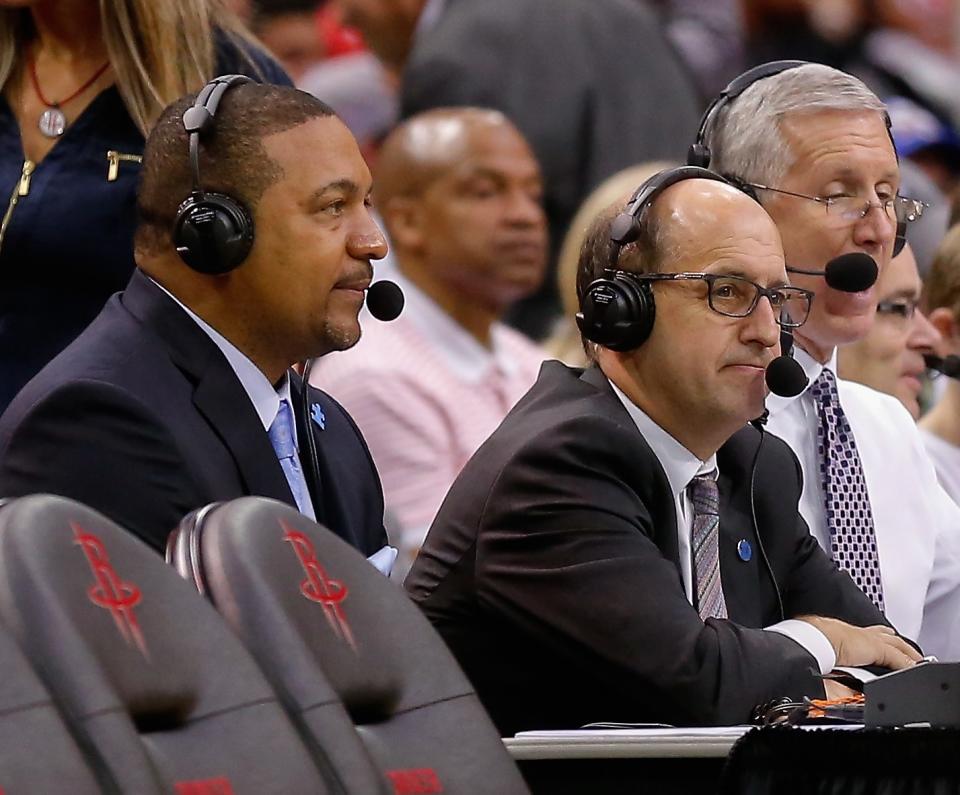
x: 422, y: 781
x: 109, y: 591
x: 318, y: 587
x: 206, y: 786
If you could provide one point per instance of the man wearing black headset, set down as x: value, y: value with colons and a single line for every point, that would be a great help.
x: 253, y: 252
x: 622, y: 548
x: 813, y: 146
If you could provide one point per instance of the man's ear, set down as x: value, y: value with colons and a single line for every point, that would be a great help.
x: 403, y: 217
x: 943, y: 320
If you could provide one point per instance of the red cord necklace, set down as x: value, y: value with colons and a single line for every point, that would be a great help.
x: 52, y: 121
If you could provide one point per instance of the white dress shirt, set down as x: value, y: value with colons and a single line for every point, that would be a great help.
x: 681, y: 466
x: 917, y: 525
x: 946, y: 460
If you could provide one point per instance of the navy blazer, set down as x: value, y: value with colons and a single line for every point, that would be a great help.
x: 143, y: 419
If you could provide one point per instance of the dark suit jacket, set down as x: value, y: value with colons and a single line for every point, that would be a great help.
x: 143, y: 419
x: 552, y: 571
x: 594, y: 86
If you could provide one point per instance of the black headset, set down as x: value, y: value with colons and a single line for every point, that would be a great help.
x: 699, y: 152
x: 616, y: 310
x: 212, y: 232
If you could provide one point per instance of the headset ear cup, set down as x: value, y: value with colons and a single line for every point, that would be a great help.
x: 213, y: 234
x: 617, y: 313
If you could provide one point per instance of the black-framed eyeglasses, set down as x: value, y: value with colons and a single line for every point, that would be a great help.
x: 736, y: 296
x: 849, y: 209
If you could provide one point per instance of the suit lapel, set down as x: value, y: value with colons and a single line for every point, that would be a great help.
x: 221, y: 399
x: 649, y: 478
x: 218, y: 394
x: 740, y: 577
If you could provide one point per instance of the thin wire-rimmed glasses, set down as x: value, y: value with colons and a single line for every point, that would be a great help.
x: 736, y: 296
x: 849, y: 209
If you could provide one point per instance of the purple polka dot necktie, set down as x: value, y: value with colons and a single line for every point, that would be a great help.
x: 853, y: 542
x: 705, y: 496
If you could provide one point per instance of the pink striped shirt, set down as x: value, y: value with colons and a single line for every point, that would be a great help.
x: 426, y: 394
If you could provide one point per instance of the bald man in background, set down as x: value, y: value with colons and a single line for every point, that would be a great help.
x: 459, y: 191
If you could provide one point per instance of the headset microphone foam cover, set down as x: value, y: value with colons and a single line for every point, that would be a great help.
x: 785, y: 377
x: 851, y: 273
x: 385, y: 300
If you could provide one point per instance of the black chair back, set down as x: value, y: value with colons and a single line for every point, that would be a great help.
x: 145, y: 672
x: 37, y: 751
x: 324, y: 624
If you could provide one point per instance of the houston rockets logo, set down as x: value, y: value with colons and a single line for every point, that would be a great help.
x: 109, y: 591
x: 208, y: 786
x: 319, y: 587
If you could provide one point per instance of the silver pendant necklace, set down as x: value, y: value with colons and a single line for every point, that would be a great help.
x: 53, y: 121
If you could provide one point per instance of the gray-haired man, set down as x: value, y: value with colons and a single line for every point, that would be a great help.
x: 813, y: 145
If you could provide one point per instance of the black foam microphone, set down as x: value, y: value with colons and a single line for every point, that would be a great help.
x: 850, y: 273
x: 947, y: 365
x: 785, y: 377
x: 385, y: 300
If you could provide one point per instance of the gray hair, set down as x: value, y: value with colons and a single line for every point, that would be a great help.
x: 744, y: 136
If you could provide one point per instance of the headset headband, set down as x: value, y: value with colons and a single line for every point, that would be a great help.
x: 737, y: 86
x: 199, y: 118
x: 699, y: 152
x: 626, y: 226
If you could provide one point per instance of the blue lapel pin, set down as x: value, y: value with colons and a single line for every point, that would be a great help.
x: 316, y: 413
x: 744, y: 550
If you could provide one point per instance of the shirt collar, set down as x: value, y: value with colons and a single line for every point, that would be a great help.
x: 811, y: 368
x: 462, y: 352
x: 680, y: 465
x: 265, y: 398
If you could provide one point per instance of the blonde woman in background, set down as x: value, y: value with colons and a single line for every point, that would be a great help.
x: 82, y: 82
x: 564, y: 342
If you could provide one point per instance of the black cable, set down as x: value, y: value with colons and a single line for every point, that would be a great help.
x: 758, y: 424
x: 311, y: 442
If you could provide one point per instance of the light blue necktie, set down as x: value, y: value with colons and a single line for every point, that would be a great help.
x: 281, y: 437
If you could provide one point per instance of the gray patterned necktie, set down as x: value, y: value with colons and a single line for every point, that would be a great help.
x: 853, y: 542
x: 705, y: 497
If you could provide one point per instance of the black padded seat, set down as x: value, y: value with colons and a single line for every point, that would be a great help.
x: 316, y: 614
x: 149, y: 678
x: 37, y: 752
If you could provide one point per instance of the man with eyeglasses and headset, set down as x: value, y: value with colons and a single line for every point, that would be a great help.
x: 890, y: 358
x: 812, y: 145
x: 625, y: 547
